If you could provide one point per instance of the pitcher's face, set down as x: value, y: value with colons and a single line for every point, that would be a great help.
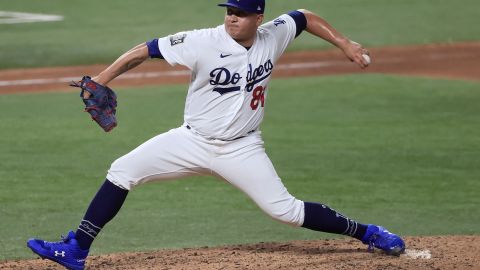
x: 241, y: 25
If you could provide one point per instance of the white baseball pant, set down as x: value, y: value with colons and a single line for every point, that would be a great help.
x: 242, y: 162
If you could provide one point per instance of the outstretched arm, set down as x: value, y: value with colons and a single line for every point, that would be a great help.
x: 321, y: 28
x: 127, y: 61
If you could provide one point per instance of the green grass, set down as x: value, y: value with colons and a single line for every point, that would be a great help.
x: 99, y: 31
x: 400, y: 152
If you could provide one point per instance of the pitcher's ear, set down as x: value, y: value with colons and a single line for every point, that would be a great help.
x: 259, y: 19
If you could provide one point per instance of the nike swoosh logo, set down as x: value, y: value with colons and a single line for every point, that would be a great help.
x: 224, y: 55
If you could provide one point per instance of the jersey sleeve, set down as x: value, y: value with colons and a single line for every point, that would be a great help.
x: 179, y: 49
x: 283, y: 31
x: 153, y: 50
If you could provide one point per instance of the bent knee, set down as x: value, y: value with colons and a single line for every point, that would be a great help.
x: 118, y: 175
x: 289, y: 211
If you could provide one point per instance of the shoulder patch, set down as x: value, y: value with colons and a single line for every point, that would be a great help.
x: 177, y: 39
x: 279, y: 21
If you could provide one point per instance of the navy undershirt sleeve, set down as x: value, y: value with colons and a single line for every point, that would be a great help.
x: 300, y: 21
x: 153, y: 50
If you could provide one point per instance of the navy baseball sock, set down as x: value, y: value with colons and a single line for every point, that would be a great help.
x: 319, y: 217
x: 103, y: 208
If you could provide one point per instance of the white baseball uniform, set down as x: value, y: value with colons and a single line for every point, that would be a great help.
x: 223, y: 110
x: 220, y: 136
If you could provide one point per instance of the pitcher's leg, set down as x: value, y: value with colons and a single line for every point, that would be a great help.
x: 170, y: 155
x: 250, y: 170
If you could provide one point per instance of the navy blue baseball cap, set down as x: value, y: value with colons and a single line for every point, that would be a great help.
x: 252, y: 6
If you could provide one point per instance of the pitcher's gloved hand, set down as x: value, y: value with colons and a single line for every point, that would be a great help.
x: 100, y: 102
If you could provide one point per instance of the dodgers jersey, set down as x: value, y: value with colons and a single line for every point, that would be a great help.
x: 229, y: 83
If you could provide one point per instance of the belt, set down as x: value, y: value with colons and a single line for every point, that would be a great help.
x: 234, y: 139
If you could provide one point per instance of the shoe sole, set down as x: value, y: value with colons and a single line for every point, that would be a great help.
x: 43, y: 256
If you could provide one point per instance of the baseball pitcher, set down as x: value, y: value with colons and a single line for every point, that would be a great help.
x: 231, y: 67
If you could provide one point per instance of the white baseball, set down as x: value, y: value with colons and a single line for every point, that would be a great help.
x: 367, y: 58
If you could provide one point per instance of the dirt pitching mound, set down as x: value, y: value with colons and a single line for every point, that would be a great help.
x: 437, y: 252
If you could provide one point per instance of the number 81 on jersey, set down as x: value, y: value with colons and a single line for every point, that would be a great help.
x: 258, y: 97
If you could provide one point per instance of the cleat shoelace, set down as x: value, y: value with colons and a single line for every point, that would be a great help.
x: 59, y: 244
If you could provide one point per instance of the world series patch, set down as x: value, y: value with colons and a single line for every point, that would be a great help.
x: 177, y: 39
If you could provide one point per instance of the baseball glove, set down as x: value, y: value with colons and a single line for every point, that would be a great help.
x: 100, y: 102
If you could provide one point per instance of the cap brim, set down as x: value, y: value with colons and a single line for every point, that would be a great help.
x: 239, y: 7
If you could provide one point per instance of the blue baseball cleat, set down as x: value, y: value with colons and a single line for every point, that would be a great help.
x: 66, y: 252
x: 379, y: 237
